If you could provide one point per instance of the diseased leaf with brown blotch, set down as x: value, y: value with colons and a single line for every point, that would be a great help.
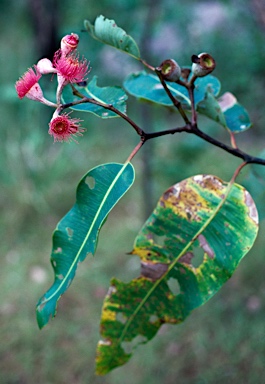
x: 189, y: 247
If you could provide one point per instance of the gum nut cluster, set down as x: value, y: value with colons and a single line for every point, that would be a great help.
x: 69, y: 69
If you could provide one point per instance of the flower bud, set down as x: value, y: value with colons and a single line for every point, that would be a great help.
x: 203, y: 64
x: 45, y: 66
x: 170, y: 70
x: 69, y: 43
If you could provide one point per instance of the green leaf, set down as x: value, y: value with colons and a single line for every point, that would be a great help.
x: 201, y: 218
x: 107, y: 95
x: 148, y: 87
x: 108, y: 32
x: 204, y: 84
x: 77, y: 233
x: 225, y: 111
x: 212, y: 109
x: 237, y: 118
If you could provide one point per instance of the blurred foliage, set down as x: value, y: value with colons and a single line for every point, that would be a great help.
x: 224, y: 340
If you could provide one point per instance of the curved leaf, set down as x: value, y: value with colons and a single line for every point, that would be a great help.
x: 107, y: 95
x: 76, y: 234
x: 148, y: 87
x: 108, y: 32
x: 237, y: 118
x: 212, y: 109
x: 225, y: 111
x: 200, y: 214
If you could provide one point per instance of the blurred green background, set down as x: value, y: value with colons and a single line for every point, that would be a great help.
x: 224, y: 341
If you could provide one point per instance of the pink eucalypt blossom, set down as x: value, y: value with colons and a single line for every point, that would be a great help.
x: 28, y: 86
x: 62, y: 127
x: 69, y: 70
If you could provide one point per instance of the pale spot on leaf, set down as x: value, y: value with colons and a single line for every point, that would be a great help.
x: 173, y: 285
x: 253, y: 213
x: 227, y: 101
x: 69, y: 231
x: 90, y: 182
x: 205, y: 246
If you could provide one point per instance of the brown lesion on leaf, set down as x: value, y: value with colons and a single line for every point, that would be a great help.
x: 227, y: 101
x: 205, y: 246
x: 186, y: 259
x: 191, y: 259
x: 184, y: 201
x: 211, y: 183
x: 252, y: 210
x: 153, y: 271
x: 186, y: 198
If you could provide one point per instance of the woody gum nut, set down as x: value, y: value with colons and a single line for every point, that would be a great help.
x: 170, y: 70
x: 203, y: 64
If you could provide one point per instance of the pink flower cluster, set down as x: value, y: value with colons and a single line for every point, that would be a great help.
x: 69, y: 69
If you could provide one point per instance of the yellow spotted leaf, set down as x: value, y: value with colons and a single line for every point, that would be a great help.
x: 189, y: 247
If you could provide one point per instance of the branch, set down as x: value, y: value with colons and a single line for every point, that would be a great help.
x: 136, y: 149
x: 193, y: 129
x: 176, y: 103
x: 233, y: 151
x: 189, y: 128
x: 190, y: 87
x: 109, y: 107
x: 148, y: 136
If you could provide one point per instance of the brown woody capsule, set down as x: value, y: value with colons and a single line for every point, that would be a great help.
x: 170, y: 70
x: 203, y: 64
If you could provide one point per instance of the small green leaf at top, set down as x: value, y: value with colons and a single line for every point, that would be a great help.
x: 114, y: 96
x: 76, y: 235
x: 107, y: 31
x: 189, y: 247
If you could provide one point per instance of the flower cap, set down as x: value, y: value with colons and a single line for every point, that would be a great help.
x: 44, y: 66
x: 69, y: 43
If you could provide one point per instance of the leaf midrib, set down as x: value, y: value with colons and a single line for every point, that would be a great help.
x: 185, y: 249
x: 87, y: 235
